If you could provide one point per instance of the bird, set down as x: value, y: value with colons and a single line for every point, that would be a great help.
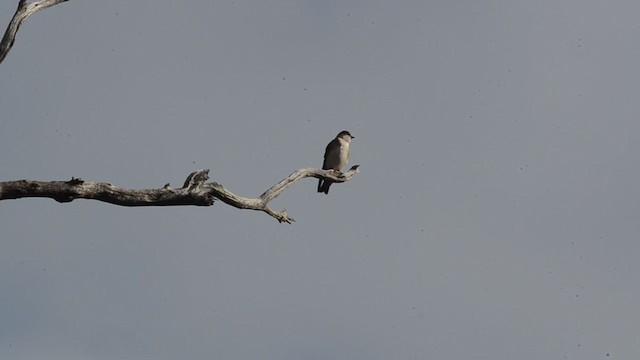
x: 336, y: 156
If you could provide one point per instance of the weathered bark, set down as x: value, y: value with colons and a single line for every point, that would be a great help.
x: 22, y: 13
x: 195, y: 191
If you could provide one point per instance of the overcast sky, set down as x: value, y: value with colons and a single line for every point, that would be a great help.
x: 495, y: 215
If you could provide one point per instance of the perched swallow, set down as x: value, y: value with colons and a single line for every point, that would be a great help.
x: 336, y: 156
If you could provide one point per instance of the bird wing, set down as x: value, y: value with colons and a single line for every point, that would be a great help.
x: 329, y: 153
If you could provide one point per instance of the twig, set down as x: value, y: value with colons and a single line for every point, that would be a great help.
x: 22, y: 13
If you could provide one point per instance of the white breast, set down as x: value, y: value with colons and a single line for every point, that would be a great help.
x: 344, y: 153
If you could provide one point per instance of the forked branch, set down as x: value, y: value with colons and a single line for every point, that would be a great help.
x: 22, y: 13
x: 195, y: 191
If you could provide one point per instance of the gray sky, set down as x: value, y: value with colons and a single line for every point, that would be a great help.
x: 495, y: 216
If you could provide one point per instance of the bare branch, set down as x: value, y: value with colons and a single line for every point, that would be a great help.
x: 22, y: 13
x: 332, y: 175
x: 195, y: 191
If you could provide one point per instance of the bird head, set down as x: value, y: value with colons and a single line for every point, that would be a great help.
x: 344, y: 134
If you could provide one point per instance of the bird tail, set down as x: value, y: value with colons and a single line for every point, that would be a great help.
x: 323, y: 186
